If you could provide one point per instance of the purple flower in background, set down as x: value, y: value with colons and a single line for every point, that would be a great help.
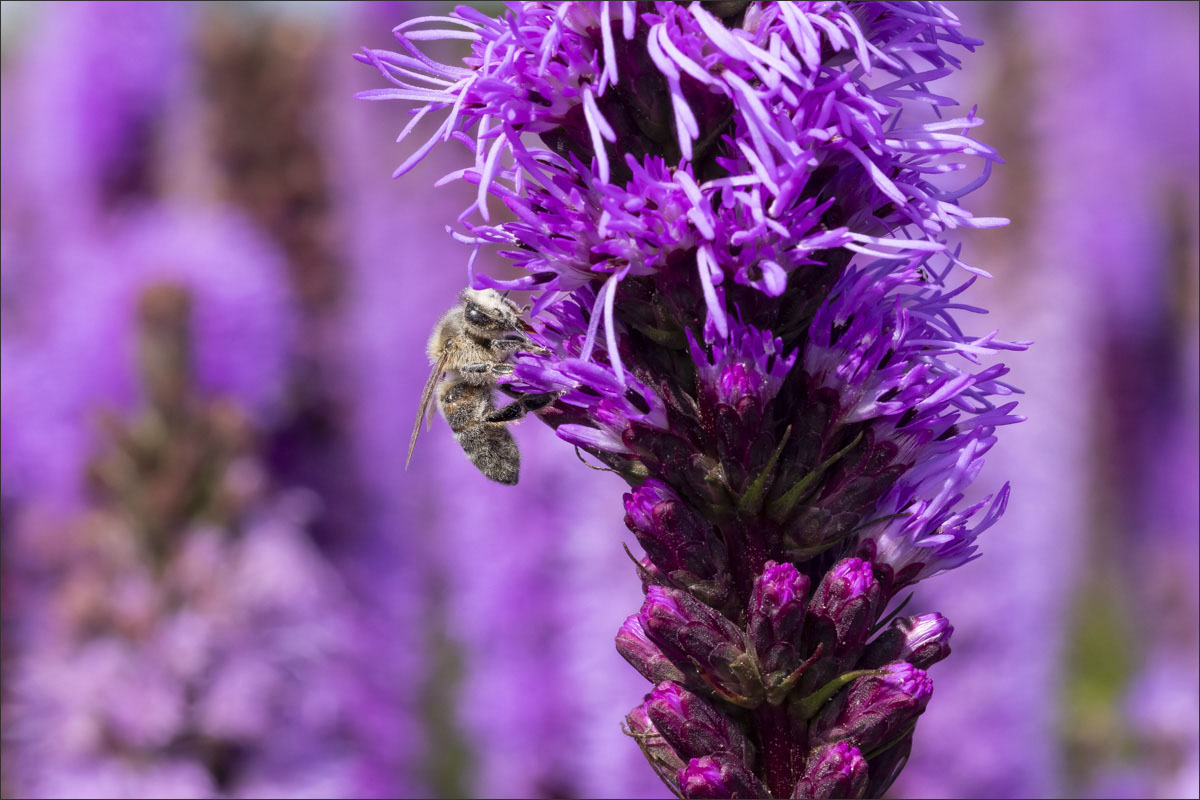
x: 83, y: 110
x: 93, y: 84
x: 72, y: 362
x: 1103, y: 538
x: 186, y: 618
x: 148, y: 684
x: 1148, y: 384
x: 752, y: 316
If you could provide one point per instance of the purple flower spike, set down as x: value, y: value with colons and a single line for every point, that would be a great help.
x: 190, y: 615
x: 734, y: 224
x: 876, y: 708
x: 719, y: 775
x: 833, y: 770
x: 691, y: 725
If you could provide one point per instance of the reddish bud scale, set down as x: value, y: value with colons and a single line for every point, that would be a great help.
x: 651, y: 741
x: 680, y: 544
x: 776, y: 621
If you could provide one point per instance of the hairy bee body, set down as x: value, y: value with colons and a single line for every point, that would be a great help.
x: 489, y: 445
x: 469, y: 350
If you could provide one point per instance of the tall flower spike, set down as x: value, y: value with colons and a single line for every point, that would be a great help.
x: 188, y: 610
x: 751, y: 314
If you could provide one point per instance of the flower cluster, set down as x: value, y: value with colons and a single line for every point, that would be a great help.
x: 735, y: 224
x: 187, y: 615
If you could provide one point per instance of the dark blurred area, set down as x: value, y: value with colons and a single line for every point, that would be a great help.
x: 219, y: 580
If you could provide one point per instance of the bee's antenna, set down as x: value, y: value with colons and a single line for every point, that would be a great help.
x: 506, y: 292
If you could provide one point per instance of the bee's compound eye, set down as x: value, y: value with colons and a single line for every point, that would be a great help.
x: 475, y: 316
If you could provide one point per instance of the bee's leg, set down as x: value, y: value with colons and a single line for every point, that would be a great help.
x: 512, y: 411
x: 494, y: 367
x: 522, y: 406
x: 536, y: 402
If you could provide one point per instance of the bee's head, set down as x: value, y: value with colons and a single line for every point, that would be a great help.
x: 490, y: 315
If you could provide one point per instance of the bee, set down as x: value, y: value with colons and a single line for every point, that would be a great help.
x: 470, y: 346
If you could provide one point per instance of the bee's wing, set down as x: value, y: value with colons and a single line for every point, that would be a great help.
x: 426, y: 397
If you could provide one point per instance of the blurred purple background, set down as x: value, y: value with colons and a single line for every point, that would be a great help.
x: 219, y: 579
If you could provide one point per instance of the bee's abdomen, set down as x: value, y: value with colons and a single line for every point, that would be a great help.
x: 492, y: 449
x: 489, y: 445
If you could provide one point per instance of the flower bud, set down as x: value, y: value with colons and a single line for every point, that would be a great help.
x: 833, y: 770
x: 678, y: 541
x: 690, y: 633
x: 922, y: 641
x: 719, y: 775
x: 644, y: 655
x: 839, y: 620
x: 776, y: 621
x: 651, y: 741
x: 691, y: 725
x: 877, y: 708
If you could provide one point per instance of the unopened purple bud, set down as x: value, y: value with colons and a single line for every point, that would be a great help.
x: 779, y: 600
x: 642, y: 501
x: 840, y: 616
x: 719, y: 775
x: 653, y: 744
x: 846, y: 598
x: 691, y: 725
x: 683, y: 546
x: 776, y: 620
x: 691, y: 633
x: 910, y: 680
x: 877, y: 708
x: 922, y: 641
x: 851, y: 577
x: 833, y: 770
x: 636, y: 648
